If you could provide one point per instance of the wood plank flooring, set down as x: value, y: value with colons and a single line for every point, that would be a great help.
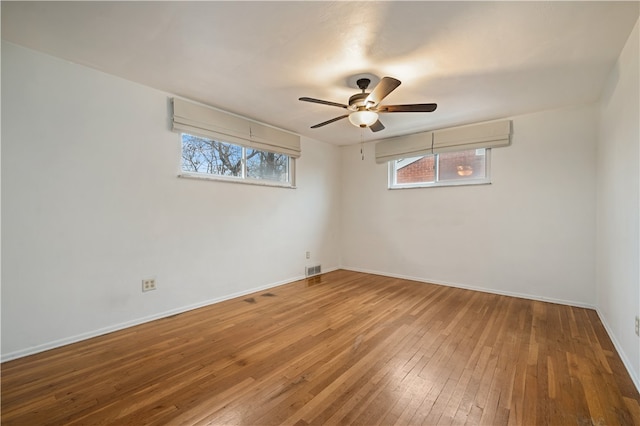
x: 343, y: 348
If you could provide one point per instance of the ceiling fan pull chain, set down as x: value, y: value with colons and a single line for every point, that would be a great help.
x: 362, y: 143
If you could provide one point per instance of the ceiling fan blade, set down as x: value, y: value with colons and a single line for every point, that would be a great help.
x: 320, y: 101
x: 377, y: 126
x: 384, y: 87
x: 407, y: 108
x: 324, y: 123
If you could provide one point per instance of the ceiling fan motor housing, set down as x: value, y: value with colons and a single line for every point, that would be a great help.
x: 357, y: 101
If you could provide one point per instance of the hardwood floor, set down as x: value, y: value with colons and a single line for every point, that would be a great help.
x: 344, y: 348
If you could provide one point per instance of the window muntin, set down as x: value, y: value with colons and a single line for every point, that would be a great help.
x: 203, y: 157
x: 467, y: 167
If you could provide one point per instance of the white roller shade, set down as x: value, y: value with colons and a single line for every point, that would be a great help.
x: 485, y: 135
x: 200, y: 120
x: 406, y: 146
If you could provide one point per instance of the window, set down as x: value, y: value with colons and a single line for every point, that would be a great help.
x: 467, y: 167
x: 203, y: 157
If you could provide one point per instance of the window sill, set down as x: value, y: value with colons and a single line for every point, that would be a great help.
x: 440, y: 184
x: 202, y: 176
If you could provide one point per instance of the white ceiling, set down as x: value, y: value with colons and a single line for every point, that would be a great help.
x: 477, y: 60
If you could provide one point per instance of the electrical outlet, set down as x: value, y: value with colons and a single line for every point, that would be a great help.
x: 308, y: 254
x: 637, y: 326
x: 148, y: 284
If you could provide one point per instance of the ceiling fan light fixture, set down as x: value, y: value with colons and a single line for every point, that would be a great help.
x: 363, y: 118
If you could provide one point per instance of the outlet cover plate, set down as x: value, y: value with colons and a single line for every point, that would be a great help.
x: 148, y: 284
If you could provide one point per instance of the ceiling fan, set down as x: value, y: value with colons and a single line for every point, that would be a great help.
x: 364, y: 107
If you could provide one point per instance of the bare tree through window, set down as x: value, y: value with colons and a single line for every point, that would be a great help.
x: 203, y: 155
x: 267, y: 165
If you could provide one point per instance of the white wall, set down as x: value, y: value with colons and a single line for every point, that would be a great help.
x: 91, y: 205
x: 531, y: 232
x: 618, y: 205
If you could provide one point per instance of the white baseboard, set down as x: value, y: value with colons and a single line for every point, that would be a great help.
x: 468, y: 287
x: 121, y: 326
x: 625, y: 360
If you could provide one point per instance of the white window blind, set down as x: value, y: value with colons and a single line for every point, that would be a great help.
x: 189, y: 117
x: 406, y: 146
x: 493, y: 134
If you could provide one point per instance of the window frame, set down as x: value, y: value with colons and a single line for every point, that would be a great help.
x: 486, y: 180
x: 243, y: 178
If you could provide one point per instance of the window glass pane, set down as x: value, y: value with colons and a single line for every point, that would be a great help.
x: 204, y: 155
x: 452, y: 168
x: 267, y: 165
x: 415, y: 169
x: 460, y: 165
